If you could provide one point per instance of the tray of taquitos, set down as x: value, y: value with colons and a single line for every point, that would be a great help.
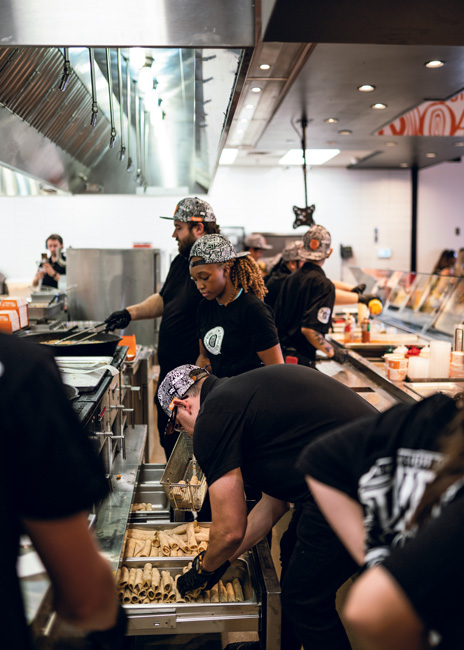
x: 149, y: 595
x: 165, y: 539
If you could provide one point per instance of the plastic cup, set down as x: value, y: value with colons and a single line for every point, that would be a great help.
x: 418, y: 368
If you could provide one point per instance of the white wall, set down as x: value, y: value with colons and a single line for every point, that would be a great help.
x: 440, y: 212
x: 349, y: 203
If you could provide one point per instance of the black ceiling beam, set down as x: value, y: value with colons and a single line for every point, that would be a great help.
x: 414, y: 22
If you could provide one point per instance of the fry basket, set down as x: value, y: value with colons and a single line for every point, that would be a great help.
x: 182, y: 480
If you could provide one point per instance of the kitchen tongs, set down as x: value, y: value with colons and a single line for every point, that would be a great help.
x: 80, y: 332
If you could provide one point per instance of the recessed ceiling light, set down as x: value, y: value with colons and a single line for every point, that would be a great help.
x: 256, y: 89
x: 379, y: 106
x: 391, y: 144
x: 459, y: 144
x: 313, y: 156
x: 434, y: 64
x: 250, y: 107
x: 430, y: 155
x: 366, y: 88
x: 228, y: 156
x: 345, y: 132
x: 331, y: 120
x: 404, y: 165
x: 264, y: 66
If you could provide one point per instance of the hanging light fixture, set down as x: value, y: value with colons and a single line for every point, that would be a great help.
x: 304, y: 216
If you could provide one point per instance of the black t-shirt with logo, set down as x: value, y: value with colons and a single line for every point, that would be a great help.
x: 262, y: 420
x: 306, y: 300
x: 233, y: 334
x: 49, y: 468
x: 275, y: 282
x: 178, y: 341
x: 385, y: 463
x: 48, y: 280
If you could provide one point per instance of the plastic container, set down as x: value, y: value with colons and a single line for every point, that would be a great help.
x: 418, y: 367
x: 439, y: 363
x: 397, y: 367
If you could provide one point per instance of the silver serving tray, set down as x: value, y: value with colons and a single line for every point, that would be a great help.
x: 149, y: 493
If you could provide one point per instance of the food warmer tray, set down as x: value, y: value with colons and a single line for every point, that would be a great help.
x: 155, y: 495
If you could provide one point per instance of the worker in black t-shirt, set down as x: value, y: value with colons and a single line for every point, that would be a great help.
x: 289, y: 262
x: 50, y: 478
x: 304, y: 306
x: 236, y: 330
x: 177, y: 301
x: 392, y: 487
x: 51, y: 270
x: 253, y: 428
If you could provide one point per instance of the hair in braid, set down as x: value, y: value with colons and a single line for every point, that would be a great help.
x: 245, y: 274
x: 450, y: 470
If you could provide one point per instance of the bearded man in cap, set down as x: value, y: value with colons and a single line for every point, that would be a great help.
x: 176, y: 302
x: 305, y: 303
x: 252, y: 428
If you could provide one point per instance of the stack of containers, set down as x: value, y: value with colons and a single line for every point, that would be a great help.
x: 14, y: 314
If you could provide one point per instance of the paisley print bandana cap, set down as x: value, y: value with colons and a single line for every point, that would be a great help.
x: 213, y: 249
x: 176, y: 384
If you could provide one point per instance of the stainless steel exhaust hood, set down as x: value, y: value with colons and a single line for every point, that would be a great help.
x: 48, y: 134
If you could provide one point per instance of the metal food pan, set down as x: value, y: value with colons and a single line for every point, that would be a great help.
x: 186, y: 618
x: 154, y: 495
x: 151, y: 472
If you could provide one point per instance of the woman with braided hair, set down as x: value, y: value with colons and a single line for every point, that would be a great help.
x: 236, y: 329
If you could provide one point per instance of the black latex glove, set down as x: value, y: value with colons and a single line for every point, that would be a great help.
x: 112, y: 639
x: 359, y: 288
x: 340, y: 356
x: 118, y: 320
x: 198, y: 579
x: 367, y: 297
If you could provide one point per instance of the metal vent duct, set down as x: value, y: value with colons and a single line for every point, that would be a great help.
x: 29, y: 88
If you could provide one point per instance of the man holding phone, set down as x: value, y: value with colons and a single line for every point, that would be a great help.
x: 53, y: 267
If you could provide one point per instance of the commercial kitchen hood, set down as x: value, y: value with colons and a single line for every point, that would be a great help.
x: 77, y: 140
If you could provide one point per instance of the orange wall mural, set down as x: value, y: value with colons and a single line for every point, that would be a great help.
x: 430, y: 118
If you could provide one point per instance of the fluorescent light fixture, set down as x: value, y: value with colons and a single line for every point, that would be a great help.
x: 313, y: 156
x: 265, y: 66
x: 250, y: 107
x: 366, y: 88
x: 228, y: 156
x: 256, y: 89
x: 434, y: 64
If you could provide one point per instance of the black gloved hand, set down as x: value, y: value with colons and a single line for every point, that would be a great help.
x: 198, y: 578
x: 112, y: 639
x: 359, y: 288
x: 118, y: 320
x: 367, y: 297
x: 340, y: 356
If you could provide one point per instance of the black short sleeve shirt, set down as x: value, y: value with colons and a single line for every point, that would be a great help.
x: 234, y: 333
x: 306, y: 300
x: 261, y: 421
x: 48, y: 281
x: 275, y: 282
x: 51, y: 469
x: 384, y: 463
x: 178, y: 340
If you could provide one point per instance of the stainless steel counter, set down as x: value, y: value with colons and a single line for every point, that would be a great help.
x: 112, y: 514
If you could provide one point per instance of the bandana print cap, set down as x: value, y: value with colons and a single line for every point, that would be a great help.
x: 292, y: 251
x: 193, y: 209
x: 176, y: 384
x: 213, y: 249
x: 316, y: 243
